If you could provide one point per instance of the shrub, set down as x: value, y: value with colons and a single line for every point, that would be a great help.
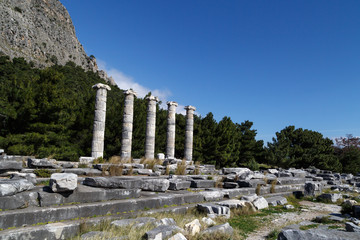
x: 181, y: 168
x: 44, y: 173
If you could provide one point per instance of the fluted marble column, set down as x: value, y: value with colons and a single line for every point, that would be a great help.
x: 150, y: 127
x: 97, y: 146
x: 188, y: 150
x: 170, y: 134
x: 126, y: 140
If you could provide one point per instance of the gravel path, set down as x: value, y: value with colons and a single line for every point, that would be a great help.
x: 309, y: 211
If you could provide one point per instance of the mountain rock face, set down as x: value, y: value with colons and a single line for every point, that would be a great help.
x: 41, y: 31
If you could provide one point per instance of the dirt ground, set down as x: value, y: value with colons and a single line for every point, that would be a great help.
x: 309, y: 211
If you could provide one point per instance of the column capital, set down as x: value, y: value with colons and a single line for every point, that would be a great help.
x: 172, y: 103
x: 129, y: 92
x: 101, y: 85
x: 152, y: 98
x: 190, y: 108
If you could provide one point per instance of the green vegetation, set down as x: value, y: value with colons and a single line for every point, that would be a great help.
x: 310, y: 226
x: 44, y: 173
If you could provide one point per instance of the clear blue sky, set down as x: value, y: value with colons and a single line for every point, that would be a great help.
x: 275, y: 63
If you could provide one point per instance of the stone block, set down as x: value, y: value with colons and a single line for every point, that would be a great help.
x: 213, y: 210
x: 193, y: 227
x: 276, y: 200
x: 250, y: 197
x: 161, y: 156
x: 212, y: 195
x: 10, y: 187
x: 10, y: 165
x: 260, y: 203
x: 31, y: 177
x: 177, y: 185
x: 20, y: 200
x: 230, y: 185
x: 134, y: 222
x: 42, y: 163
x: 113, y: 182
x: 178, y: 236
x: 233, y: 203
x: 86, y: 160
x: 237, y: 171
x: 219, y: 229
x: 250, y: 183
x: 63, y: 182
x: 161, y: 232
x: 147, y: 172
x: 155, y: 185
x: 165, y: 221
x: 316, y: 234
x: 312, y: 188
x: 331, y: 197
x: 208, y: 221
x: 202, y: 183
x: 351, y: 227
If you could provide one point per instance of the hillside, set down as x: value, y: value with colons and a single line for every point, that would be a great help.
x: 42, y: 32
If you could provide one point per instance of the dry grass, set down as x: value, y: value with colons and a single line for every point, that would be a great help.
x: 181, y: 168
x: 167, y: 171
x: 116, y: 169
x: 150, y: 163
x: 115, y: 160
x: 273, y: 185
x: 258, y: 189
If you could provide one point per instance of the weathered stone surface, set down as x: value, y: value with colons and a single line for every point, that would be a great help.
x: 277, y: 200
x: 237, y: 171
x: 150, y: 127
x: 230, y: 185
x: 63, y: 182
x: 166, y: 221
x: 179, y: 185
x: 260, y: 203
x: 161, y: 232
x: 93, y: 235
x: 249, y: 198
x: 236, y: 192
x: 220, y: 229
x: 193, y: 227
x: 332, y: 197
x: 84, y: 171
x: 19, y: 200
x: 351, y: 227
x: 10, y: 165
x: 356, y: 210
x: 135, y: 222
x: 10, y: 187
x: 31, y: 177
x: 212, y: 195
x: 213, y: 210
x: 272, y: 171
x: 250, y: 183
x: 208, y: 221
x: 113, y: 182
x: 127, y: 126
x: 202, y: 183
x: 316, y: 234
x: 189, y: 128
x: 311, y: 188
x: 155, y: 185
x: 85, y: 194
x: 143, y: 171
x: 178, y: 236
x: 298, y: 173
x: 232, y: 203
x: 41, y: 163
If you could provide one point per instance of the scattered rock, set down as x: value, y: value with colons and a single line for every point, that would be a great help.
x: 166, y: 221
x: 208, y: 221
x: 63, y: 182
x: 178, y: 236
x: 351, y: 227
x: 331, y: 197
x: 10, y: 165
x: 249, y: 198
x: 193, y: 227
x: 222, y: 229
x: 260, y: 203
x: 161, y: 232
x: 214, y: 210
x: 31, y: 177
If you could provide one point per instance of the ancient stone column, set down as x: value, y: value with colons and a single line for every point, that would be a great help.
x: 189, y: 132
x: 150, y: 127
x: 126, y: 140
x: 170, y: 134
x: 97, y: 146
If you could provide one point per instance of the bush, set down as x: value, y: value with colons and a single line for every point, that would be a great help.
x: 44, y: 173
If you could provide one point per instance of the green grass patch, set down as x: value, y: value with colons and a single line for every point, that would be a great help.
x: 273, y: 234
x: 310, y: 226
x: 44, y: 173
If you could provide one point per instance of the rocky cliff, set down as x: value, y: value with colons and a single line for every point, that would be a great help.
x: 41, y: 31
